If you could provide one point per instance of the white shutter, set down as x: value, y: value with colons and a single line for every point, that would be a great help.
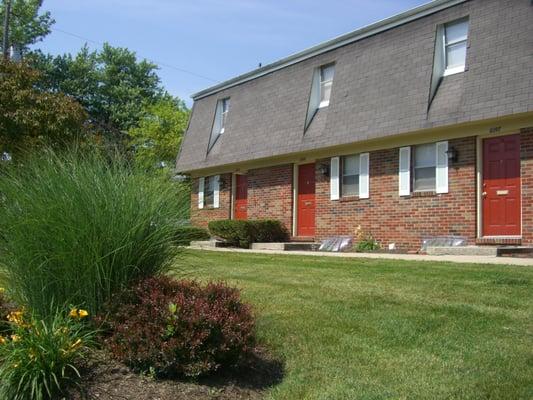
x: 334, y: 178
x: 442, y: 167
x: 216, y: 191
x: 364, y: 179
x: 405, y: 171
x: 201, y: 182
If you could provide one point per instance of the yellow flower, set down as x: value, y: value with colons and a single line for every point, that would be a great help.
x: 3, y: 340
x: 76, y: 344
x: 2, y: 290
x: 17, y: 317
x: 75, y: 313
x: 15, y: 338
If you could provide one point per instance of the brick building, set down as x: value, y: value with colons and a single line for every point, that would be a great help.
x: 419, y: 125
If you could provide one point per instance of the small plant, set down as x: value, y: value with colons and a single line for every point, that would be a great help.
x: 365, y: 241
x: 163, y: 327
x: 242, y: 233
x: 79, y: 227
x: 38, y: 359
x: 186, y: 234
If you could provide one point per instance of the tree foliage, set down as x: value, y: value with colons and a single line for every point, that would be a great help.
x: 27, y: 25
x: 158, y: 136
x: 30, y: 116
x: 111, y: 84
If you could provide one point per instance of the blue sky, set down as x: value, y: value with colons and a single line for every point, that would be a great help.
x: 215, y: 39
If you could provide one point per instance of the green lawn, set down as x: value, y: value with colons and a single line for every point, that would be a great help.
x: 381, y: 329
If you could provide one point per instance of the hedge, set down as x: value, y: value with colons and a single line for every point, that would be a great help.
x: 186, y: 234
x: 242, y: 233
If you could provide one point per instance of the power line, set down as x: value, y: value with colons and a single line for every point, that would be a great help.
x: 162, y: 64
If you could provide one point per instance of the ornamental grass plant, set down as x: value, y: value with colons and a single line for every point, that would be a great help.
x: 76, y: 228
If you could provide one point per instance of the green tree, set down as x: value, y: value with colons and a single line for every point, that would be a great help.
x: 158, y: 136
x: 31, y: 117
x: 27, y: 25
x: 112, y: 85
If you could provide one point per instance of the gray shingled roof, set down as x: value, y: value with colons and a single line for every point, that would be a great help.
x: 381, y: 88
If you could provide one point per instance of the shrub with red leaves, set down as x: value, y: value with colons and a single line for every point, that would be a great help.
x: 179, y: 327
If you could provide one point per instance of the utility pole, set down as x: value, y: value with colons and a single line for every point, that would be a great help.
x: 5, y: 44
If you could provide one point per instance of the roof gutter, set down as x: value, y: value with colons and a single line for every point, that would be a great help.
x: 343, y: 40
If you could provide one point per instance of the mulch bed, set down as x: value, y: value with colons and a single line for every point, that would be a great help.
x: 106, y: 379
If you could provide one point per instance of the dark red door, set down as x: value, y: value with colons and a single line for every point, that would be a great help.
x: 501, y: 186
x: 241, y: 197
x: 306, y: 200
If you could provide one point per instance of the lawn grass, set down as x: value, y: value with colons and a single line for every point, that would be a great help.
x: 383, y: 329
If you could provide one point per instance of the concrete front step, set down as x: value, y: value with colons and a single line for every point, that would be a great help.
x: 487, y: 251
x: 206, y: 244
x: 515, y: 251
x: 288, y: 246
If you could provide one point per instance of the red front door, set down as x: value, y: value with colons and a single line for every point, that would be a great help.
x: 306, y: 200
x: 241, y: 197
x: 501, y: 186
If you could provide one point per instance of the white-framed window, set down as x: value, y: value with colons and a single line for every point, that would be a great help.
x: 220, y: 121
x: 209, y: 191
x: 224, y: 114
x: 424, y: 167
x: 350, y: 175
x: 326, y: 82
x: 455, y: 43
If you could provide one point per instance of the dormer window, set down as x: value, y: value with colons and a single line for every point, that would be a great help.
x: 450, y: 52
x: 224, y: 114
x: 455, y: 41
x: 221, y: 119
x: 326, y: 82
x: 320, y: 90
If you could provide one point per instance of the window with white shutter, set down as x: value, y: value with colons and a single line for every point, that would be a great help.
x: 209, y: 192
x: 405, y: 171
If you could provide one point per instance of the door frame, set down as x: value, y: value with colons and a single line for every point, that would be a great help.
x: 479, y: 185
x: 295, y: 175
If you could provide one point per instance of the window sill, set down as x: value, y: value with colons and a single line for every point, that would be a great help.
x: 428, y: 193
x: 349, y: 199
x: 208, y: 208
x: 453, y: 71
x: 323, y: 105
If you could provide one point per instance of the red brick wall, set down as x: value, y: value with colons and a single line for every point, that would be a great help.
x: 387, y: 216
x: 270, y: 194
x: 201, y: 217
x: 526, y: 139
x: 403, y: 220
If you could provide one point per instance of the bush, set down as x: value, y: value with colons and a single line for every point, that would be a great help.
x: 243, y: 233
x: 38, y: 361
x: 174, y: 328
x: 365, y: 241
x: 79, y: 227
x: 186, y: 234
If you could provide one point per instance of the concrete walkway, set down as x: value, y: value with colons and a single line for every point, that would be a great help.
x: 406, y: 257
